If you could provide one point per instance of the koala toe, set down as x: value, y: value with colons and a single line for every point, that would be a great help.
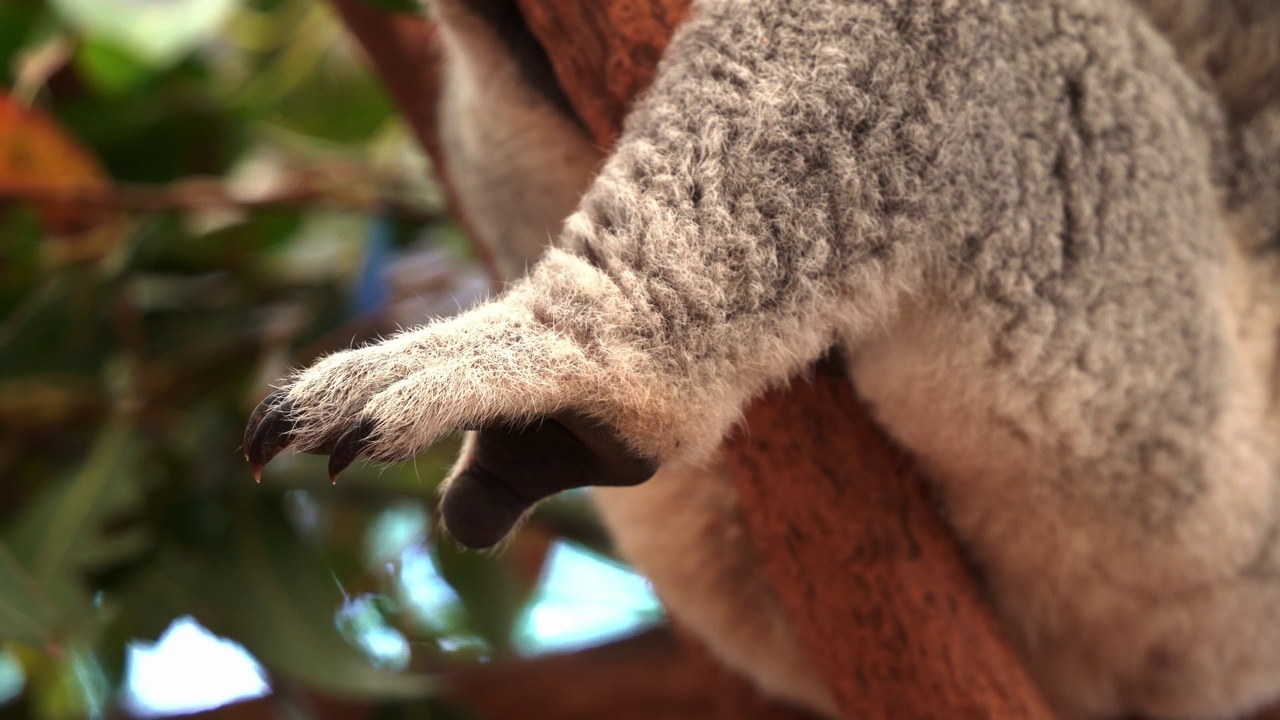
x: 269, y: 431
x: 480, y: 508
x: 508, y: 468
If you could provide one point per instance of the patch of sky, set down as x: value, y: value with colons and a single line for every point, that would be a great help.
x: 189, y: 669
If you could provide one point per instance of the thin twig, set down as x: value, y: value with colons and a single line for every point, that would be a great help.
x: 210, y: 194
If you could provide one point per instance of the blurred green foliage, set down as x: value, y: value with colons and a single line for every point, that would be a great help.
x: 132, y: 351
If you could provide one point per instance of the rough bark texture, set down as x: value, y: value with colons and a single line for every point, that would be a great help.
x: 604, y: 52
x: 857, y: 552
x: 872, y: 580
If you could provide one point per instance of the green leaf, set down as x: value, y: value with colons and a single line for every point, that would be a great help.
x: 65, y: 686
x: 16, y: 22
x: 404, y: 6
x: 273, y: 593
x: 295, y: 598
x: 59, y: 535
x: 157, y: 31
x: 308, y: 109
x: 490, y: 591
x: 60, y: 532
x: 111, y: 69
x: 24, y: 614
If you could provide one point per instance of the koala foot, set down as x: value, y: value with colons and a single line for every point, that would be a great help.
x: 530, y: 395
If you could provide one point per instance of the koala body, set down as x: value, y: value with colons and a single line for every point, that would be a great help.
x: 1044, y: 236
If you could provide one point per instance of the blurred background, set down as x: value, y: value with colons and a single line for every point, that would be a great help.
x: 195, y: 197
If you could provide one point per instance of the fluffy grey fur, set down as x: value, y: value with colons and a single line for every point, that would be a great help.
x: 1045, y: 243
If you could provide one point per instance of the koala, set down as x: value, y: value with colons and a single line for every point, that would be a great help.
x: 1043, y: 237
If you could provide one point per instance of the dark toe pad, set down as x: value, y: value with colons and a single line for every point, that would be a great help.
x: 514, y: 467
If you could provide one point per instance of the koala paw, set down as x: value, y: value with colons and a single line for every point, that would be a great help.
x: 532, y: 397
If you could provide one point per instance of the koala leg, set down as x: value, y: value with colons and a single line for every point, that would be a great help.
x: 533, y: 394
x: 763, y: 204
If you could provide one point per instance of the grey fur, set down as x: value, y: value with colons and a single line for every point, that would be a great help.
x: 1045, y: 243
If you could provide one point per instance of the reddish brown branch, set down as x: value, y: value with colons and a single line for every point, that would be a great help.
x: 603, y: 53
x: 857, y: 552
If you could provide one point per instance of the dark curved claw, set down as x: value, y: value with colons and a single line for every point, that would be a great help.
x: 349, y: 446
x: 270, y: 430
x: 255, y: 418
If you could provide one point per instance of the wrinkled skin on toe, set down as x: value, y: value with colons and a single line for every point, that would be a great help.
x: 509, y: 466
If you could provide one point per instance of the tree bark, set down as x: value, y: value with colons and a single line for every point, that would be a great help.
x: 873, y: 582
x: 604, y: 53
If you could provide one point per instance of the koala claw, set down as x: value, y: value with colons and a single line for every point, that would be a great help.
x: 269, y: 431
x: 349, y: 446
x: 508, y: 467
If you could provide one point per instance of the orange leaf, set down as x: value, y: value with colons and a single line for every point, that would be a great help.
x: 41, y: 163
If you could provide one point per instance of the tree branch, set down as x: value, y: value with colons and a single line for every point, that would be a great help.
x: 857, y: 552
x: 603, y: 53
x: 299, y: 190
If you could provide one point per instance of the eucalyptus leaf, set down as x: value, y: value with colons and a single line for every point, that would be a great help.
x: 404, y: 6
x: 16, y: 22
x: 273, y: 593
x: 490, y: 591
x: 59, y: 535
x: 110, y: 69
x: 61, y: 531
x: 288, y: 601
x: 24, y: 614
x: 158, y: 31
